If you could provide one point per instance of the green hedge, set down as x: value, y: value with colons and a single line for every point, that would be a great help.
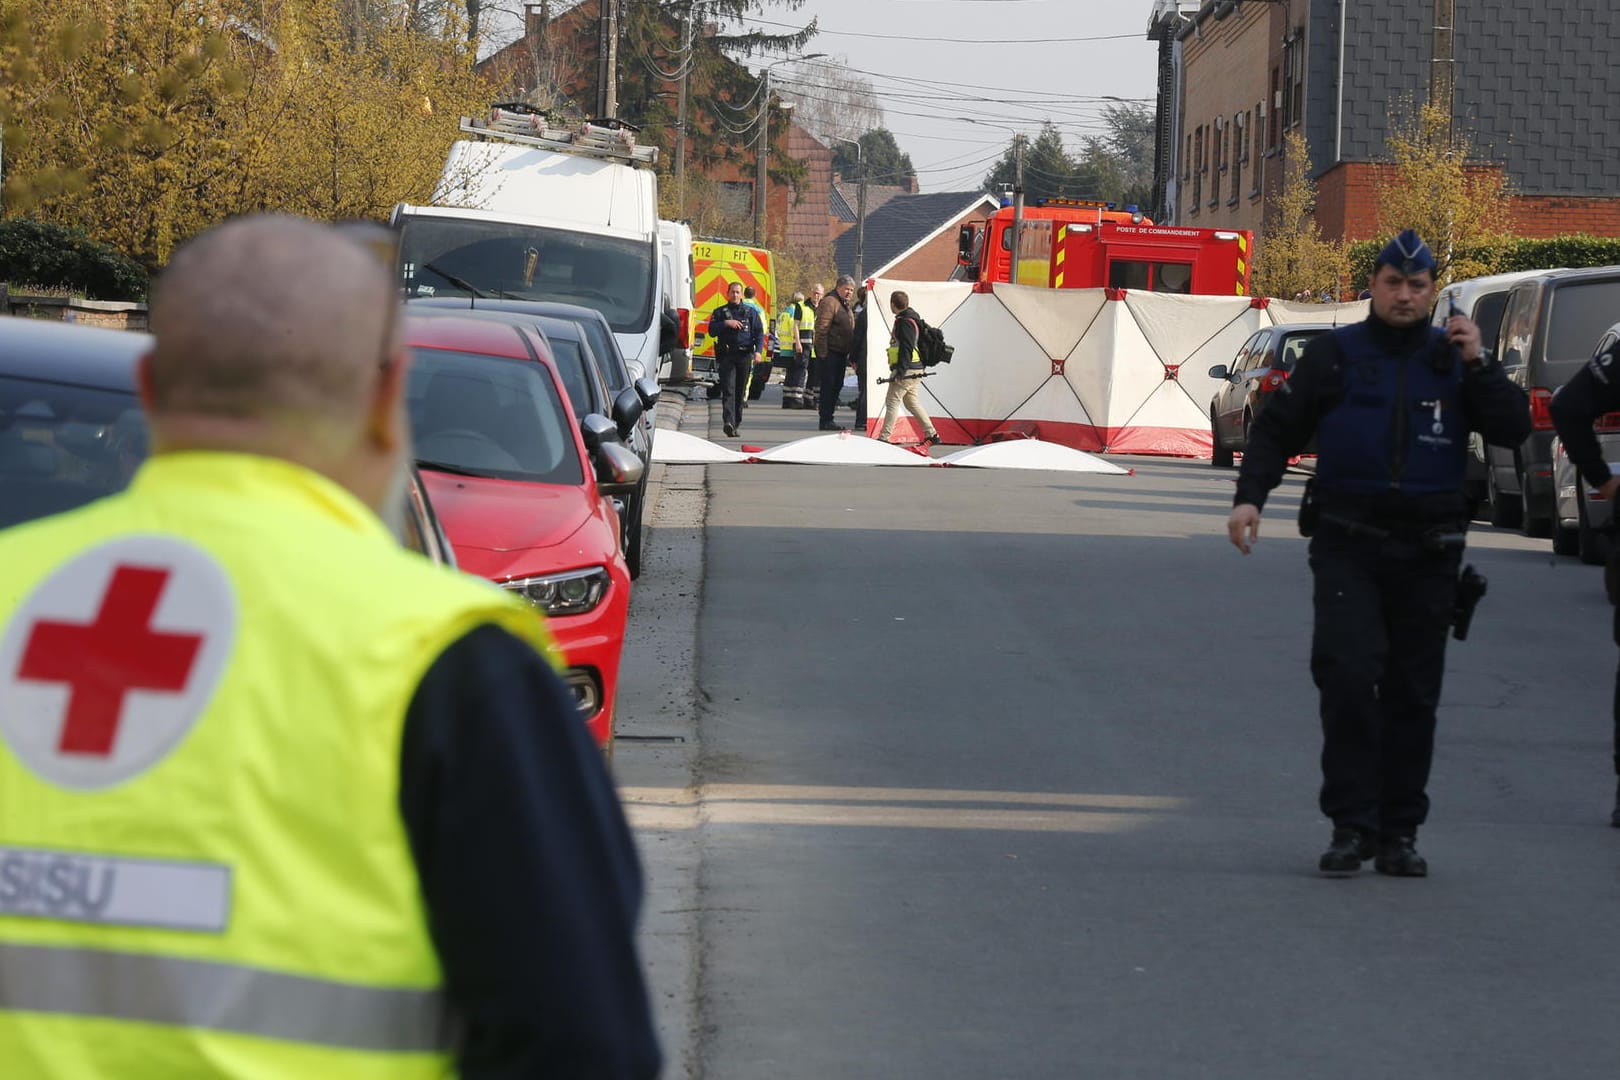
x: 55, y: 256
x: 1511, y: 255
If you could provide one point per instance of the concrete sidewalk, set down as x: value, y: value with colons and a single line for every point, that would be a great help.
x: 656, y: 749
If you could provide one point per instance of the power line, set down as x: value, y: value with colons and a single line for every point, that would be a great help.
x: 959, y: 41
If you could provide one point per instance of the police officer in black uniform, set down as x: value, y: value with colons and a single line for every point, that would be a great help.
x: 1593, y: 391
x: 739, y: 338
x: 1391, y: 401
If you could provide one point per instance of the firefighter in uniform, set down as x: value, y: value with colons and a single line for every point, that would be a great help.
x: 1591, y: 392
x: 330, y: 821
x: 1390, y: 401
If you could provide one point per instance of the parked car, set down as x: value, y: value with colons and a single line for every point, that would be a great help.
x: 525, y: 490
x: 1482, y: 299
x: 1260, y: 367
x: 1583, y: 521
x: 1548, y: 329
x: 72, y: 429
x: 586, y: 362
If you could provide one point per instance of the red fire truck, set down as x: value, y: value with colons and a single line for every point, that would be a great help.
x: 1077, y: 244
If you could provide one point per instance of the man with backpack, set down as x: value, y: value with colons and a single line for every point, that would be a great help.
x: 905, y: 370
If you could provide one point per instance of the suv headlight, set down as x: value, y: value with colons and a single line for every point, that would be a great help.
x: 572, y: 593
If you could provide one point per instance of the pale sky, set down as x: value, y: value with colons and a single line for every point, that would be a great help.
x: 970, y: 95
x: 953, y: 105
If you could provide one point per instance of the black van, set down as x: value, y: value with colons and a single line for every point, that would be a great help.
x: 1549, y: 327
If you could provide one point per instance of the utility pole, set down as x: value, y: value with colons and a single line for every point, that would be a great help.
x: 860, y: 215
x: 685, y: 69
x: 761, y: 153
x: 1018, y: 205
x: 607, y: 59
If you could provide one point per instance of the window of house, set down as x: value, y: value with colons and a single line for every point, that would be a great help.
x: 1198, y: 168
x: 1276, y: 107
x: 1219, y: 145
x: 1186, y: 159
x: 736, y: 197
x: 1240, y: 154
x: 1259, y: 126
x: 1294, y: 77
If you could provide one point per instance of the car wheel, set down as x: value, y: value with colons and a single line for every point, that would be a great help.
x: 632, y: 546
x: 1504, y: 509
x: 1592, y: 546
x: 1565, y: 540
x: 1530, y: 523
x: 1219, y: 456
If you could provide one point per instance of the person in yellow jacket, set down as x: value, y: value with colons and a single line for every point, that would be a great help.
x: 277, y: 797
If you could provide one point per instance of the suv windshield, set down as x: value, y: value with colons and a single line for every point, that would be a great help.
x: 459, y: 257
x: 489, y: 416
x: 1579, y: 315
x: 63, y: 446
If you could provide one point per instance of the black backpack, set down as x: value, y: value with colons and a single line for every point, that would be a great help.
x: 931, y: 346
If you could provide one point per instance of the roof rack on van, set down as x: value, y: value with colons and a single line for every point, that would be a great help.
x: 517, y: 123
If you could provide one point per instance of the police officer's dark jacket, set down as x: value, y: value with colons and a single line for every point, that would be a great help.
x: 750, y: 338
x: 1391, y: 408
x: 1593, y: 391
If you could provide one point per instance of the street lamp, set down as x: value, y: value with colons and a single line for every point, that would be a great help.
x: 762, y: 151
x: 860, y: 205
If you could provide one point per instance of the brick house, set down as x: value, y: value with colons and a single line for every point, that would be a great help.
x: 554, y: 65
x: 913, y: 237
x: 1531, y: 82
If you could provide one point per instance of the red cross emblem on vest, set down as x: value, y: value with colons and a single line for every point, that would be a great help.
x: 109, y: 662
x: 101, y: 662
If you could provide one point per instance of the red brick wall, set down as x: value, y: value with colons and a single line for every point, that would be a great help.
x: 935, y: 260
x: 1347, y: 207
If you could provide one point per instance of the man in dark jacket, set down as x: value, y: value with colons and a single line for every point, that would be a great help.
x: 905, y: 372
x: 835, y: 337
x: 1391, y: 402
x: 1593, y: 391
x: 739, y: 337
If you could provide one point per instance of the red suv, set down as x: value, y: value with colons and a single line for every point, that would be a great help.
x: 525, y: 489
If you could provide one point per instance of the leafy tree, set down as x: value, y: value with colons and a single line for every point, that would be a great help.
x: 1121, y: 162
x: 145, y: 121
x: 55, y: 256
x: 882, y: 157
x: 1292, y: 255
x: 1458, y: 205
x: 1049, y: 171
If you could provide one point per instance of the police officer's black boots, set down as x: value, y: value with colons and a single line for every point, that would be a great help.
x: 1349, y: 849
x: 1398, y: 857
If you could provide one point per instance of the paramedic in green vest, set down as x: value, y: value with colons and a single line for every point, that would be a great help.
x: 279, y: 798
x: 786, y: 339
x: 762, y: 367
x: 807, y: 346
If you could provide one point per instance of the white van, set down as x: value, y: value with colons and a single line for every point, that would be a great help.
x: 545, y: 214
x: 675, y: 286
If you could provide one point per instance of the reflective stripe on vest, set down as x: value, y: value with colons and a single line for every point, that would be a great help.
x: 212, y: 996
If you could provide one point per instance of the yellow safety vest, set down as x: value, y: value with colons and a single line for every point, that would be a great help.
x: 215, y: 880
x: 807, y: 324
x: 787, y: 330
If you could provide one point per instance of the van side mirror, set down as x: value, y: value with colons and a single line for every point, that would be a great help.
x: 669, y: 332
x: 966, y: 239
x: 648, y: 391
x: 627, y: 410
x: 1218, y: 371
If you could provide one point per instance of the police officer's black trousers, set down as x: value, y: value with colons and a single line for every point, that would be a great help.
x: 734, y: 368
x: 1617, y: 696
x: 1378, y: 653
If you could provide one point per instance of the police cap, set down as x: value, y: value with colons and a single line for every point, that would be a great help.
x: 1406, y: 253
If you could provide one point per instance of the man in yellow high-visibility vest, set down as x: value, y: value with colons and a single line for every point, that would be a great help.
x: 277, y: 797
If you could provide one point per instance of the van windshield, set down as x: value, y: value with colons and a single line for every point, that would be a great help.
x: 460, y: 257
x: 1578, y: 317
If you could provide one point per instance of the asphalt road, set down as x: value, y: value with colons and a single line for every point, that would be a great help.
x: 981, y: 774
